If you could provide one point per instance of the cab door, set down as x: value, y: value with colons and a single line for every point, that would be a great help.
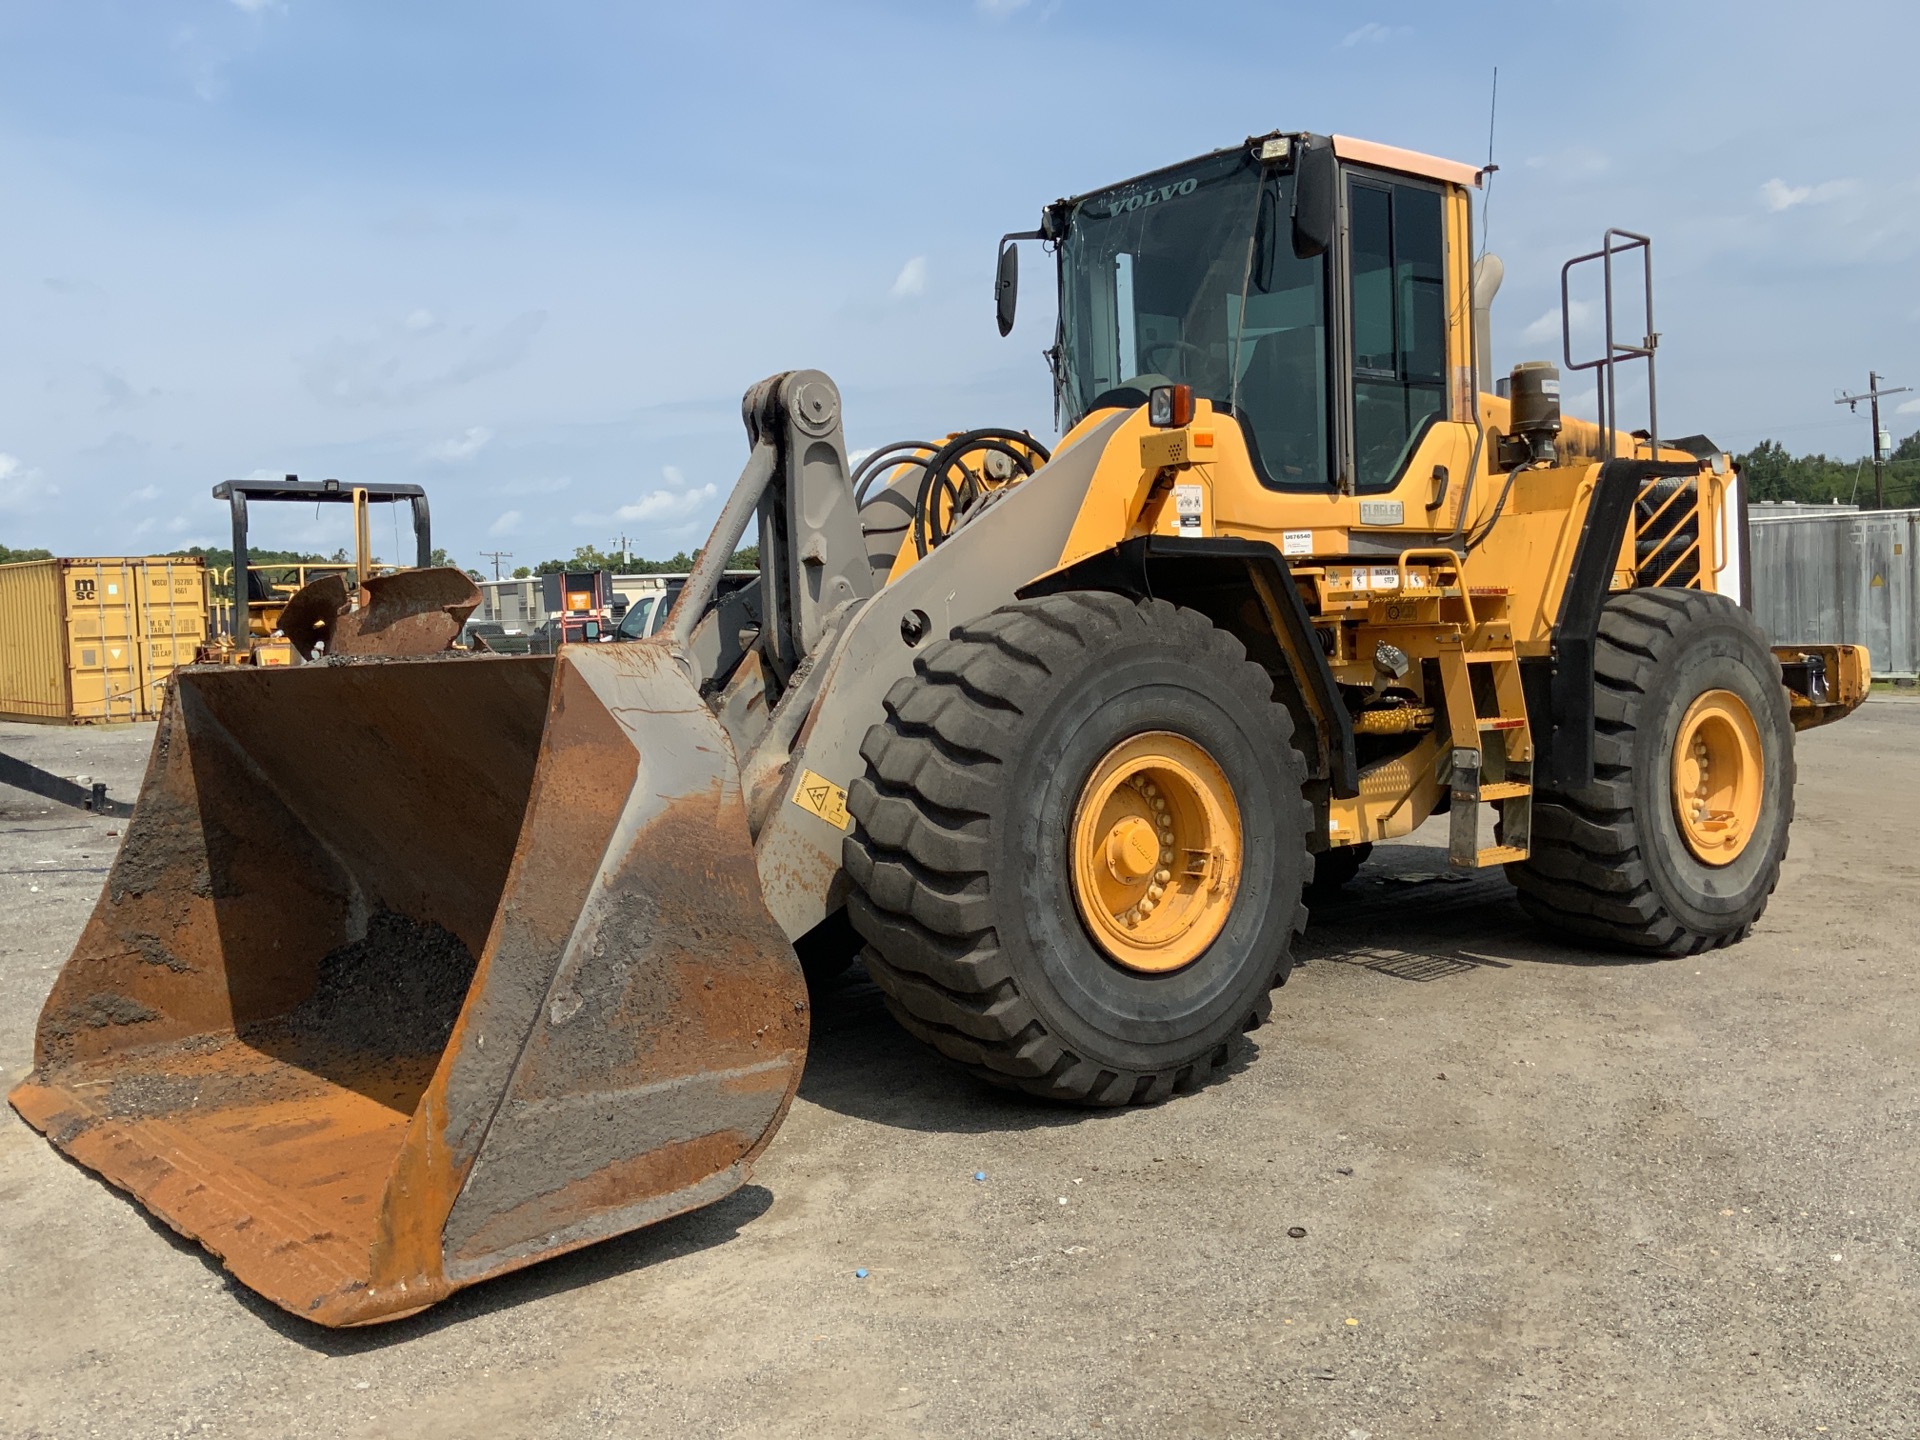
x: 1396, y: 267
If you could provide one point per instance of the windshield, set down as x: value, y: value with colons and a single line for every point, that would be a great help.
x: 1189, y: 276
x: 633, y: 625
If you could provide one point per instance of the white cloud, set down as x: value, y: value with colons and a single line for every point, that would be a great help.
x: 1000, y: 8
x: 912, y: 279
x: 146, y: 492
x: 464, y: 446
x: 21, y: 486
x: 673, y: 475
x: 421, y: 319
x: 666, y: 505
x: 506, y: 524
x: 1374, y: 33
x: 1908, y: 407
x: 1581, y: 317
x: 1777, y: 195
x: 256, y: 7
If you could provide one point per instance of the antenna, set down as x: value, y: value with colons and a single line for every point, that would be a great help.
x: 1486, y: 194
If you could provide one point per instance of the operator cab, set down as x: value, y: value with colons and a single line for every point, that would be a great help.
x: 1297, y: 282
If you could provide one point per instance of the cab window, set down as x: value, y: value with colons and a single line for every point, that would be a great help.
x: 1395, y: 258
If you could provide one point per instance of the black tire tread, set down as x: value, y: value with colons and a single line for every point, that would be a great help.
x: 1585, y: 875
x: 920, y: 854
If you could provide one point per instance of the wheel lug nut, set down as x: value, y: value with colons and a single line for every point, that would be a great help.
x: 1163, y: 876
x: 1146, y: 907
x: 1154, y: 892
x: 1166, y: 857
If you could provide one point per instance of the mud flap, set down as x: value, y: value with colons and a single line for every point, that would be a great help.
x: 410, y: 972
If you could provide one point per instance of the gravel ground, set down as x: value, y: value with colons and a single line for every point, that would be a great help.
x: 1544, y: 1192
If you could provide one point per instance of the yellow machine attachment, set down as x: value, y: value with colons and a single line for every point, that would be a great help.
x: 292, y: 609
x: 413, y: 970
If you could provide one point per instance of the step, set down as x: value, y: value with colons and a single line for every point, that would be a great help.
x: 1499, y: 855
x: 1505, y: 790
x: 1500, y: 723
x: 1488, y: 657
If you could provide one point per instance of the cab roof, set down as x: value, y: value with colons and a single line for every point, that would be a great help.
x: 1408, y: 162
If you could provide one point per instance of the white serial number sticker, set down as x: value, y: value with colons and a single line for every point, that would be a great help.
x: 1296, y: 542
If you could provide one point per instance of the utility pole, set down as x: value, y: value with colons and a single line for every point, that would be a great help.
x: 1872, y: 395
x: 496, y: 556
x: 620, y: 546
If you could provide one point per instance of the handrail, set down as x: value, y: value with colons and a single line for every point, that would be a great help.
x: 1447, y: 557
x: 1607, y: 391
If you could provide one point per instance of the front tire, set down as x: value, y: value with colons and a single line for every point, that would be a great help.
x: 992, y: 929
x: 1676, y: 845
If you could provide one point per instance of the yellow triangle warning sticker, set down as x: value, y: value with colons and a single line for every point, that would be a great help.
x: 820, y: 797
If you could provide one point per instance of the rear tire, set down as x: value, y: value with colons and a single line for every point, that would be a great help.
x: 965, y: 887
x: 1612, y: 861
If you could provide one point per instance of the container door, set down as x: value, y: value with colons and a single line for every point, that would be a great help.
x: 1879, y: 594
x: 173, y: 622
x: 102, y: 639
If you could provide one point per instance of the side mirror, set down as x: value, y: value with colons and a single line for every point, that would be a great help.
x: 1316, y: 198
x: 590, y: 630
x: 1006, y: 285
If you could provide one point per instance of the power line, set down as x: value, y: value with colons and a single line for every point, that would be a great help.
x: 1852, y: 402
x: 496, y: 556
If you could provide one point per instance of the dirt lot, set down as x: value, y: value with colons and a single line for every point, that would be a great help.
x: 1545, y: 1192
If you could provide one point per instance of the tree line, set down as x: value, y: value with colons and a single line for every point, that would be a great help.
x: 1775, y: 474
x: 590, y: 557
x: 1772, y: 472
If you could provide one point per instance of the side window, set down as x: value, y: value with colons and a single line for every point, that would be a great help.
x: 1278, y: 336
x: 1396, y: 253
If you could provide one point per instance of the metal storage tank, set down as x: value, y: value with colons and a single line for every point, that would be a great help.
x: 87, y: 640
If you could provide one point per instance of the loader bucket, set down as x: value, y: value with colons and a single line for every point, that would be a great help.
x: 410, y: 972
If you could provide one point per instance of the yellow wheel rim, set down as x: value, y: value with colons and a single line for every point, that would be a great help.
x: 1718, y: 776
x: 1156, y: 852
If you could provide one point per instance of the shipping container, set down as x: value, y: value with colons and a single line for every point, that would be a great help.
x: 1840, y: 577
x: 88, y: 640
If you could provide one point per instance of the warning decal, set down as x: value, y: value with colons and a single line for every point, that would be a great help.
x: 821, y: 797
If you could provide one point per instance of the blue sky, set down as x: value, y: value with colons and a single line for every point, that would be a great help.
x: 531, y: 254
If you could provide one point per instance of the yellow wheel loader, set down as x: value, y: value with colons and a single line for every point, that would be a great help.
x: 413, y: 970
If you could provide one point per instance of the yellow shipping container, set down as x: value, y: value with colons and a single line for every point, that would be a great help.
x: 90, y: 640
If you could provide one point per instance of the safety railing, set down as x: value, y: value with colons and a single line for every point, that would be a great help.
x: 1615, y: 244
